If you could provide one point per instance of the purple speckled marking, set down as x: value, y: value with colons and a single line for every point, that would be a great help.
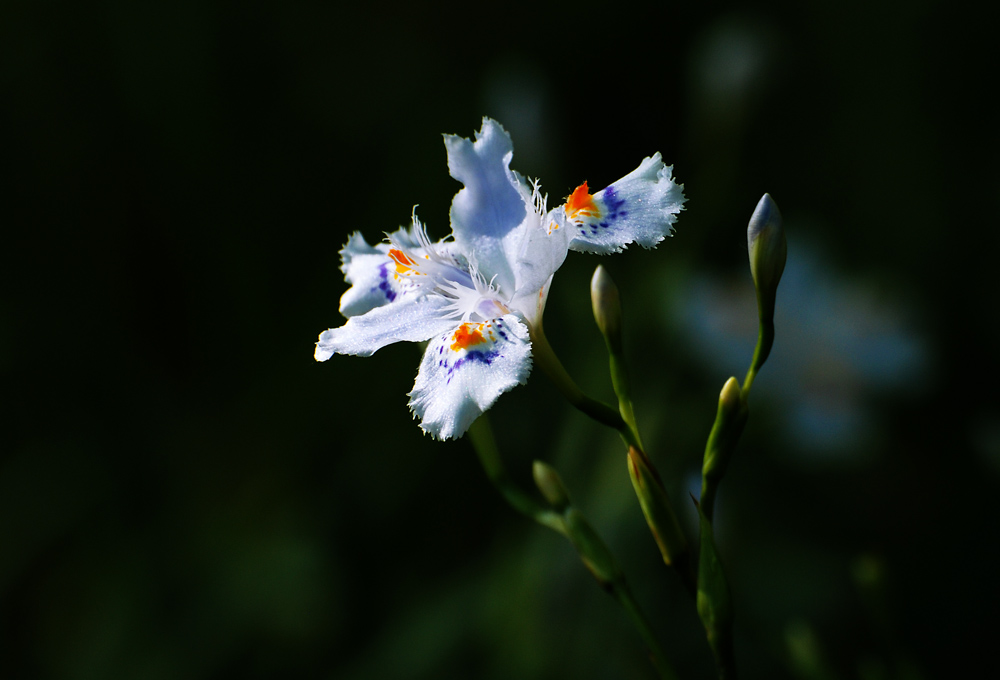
x: 474, y: 356
x: 613, y: 203
x: 383, y: 284
x: 613, y: 211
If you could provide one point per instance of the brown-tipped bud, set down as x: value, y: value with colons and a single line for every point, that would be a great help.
x: 550, y: 484
x: 593, y: 551
x: 607, y: 306
x: 657, y: 509
x: 768, y: 251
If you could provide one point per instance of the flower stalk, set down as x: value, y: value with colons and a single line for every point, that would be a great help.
x: 599, y: 561
x: 714, y: 601
x: 656, y: 507
x: 653, y: 500
x: 768, y: 251
x: 730, y: 419
x: 606, y: 302
x: 485, y: 446
x: 565, y: 519
x: 546, y: 359
x: 660, y: 516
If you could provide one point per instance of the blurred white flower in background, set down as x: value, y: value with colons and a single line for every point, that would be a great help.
x: 838, y: 345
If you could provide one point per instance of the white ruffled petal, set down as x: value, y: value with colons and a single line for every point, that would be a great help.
x: 491, y: 205
x: 639, y: 208
x: 376, y: 274
x: 465, y: 370
x: 408, y: 319
x: 376, y: 283
x: 372, y: 273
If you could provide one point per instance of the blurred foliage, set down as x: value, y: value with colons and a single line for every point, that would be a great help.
x: 184, y: 492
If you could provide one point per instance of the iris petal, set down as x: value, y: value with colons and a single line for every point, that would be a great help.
x: 465, y: 370
x: 640, y: 208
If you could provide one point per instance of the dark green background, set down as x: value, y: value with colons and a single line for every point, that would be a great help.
x: 185, y: 493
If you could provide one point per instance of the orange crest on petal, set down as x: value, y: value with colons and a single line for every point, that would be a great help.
x: 467, y: 334
x: 581, y: 203
x: 403, y: 263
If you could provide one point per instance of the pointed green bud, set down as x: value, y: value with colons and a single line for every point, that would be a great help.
x: 729, y: 422
x: 768, y: 251
x: 593, y: 551
x: 551, y: 485
x: 607, y: 308
x: 729, y: 396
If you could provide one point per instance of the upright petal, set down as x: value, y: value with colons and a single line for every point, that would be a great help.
x: 465, y: 370
x: 491, y: 204
x: 638, y: 208
x: 408, y: 319
x: 542, y: 251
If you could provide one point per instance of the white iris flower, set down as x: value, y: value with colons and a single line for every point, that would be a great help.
x: 477, y: 295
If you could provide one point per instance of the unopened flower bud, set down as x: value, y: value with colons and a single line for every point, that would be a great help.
x: 550, y: 484
x: 593, y: 551
x: 729, y: 422
x: 729, y: 396
x: 607, y: 307
x: 656, y: 507
x: 768, y: 251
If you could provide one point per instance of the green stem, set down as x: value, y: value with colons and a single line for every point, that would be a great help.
x: 656, y: 507
x: 725, y: 435
x: 623, y: 594
x: 483, y: 441
x: 619, y: 379
x: 765, y: 339
x: 660, y: 516
x: 715, y: 604
x: 547, y: 360
x: 481, y: 435
x: 707, y: 498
